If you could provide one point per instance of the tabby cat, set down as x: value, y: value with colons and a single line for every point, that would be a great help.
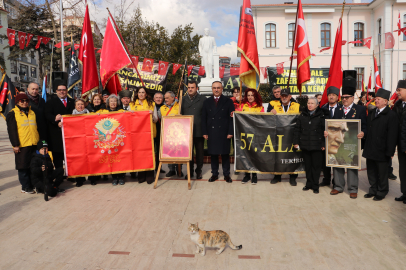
x: 203, y: 239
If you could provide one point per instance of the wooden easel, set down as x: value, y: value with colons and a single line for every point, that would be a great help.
x: 173, y: 162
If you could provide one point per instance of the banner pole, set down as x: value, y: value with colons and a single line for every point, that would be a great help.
x: 397, y: 66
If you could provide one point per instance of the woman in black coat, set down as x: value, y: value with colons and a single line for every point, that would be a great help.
x: 309, y: 137
x: 96, y: 103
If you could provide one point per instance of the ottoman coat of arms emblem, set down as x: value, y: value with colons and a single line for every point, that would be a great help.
x: 109, y: 135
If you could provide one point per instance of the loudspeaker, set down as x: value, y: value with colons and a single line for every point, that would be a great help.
x: 350, y: 78
x: 59, y: 78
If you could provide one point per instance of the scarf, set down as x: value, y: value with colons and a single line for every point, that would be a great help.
x: 34, y: 99
x: 82, y: 112
x: 24, y: 110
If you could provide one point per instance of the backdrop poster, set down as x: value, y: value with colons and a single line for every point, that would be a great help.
x: 316, y: 85
x: 263, y: 144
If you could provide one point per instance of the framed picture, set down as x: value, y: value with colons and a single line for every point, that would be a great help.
x: 176, y: 138
x: 343, y: 148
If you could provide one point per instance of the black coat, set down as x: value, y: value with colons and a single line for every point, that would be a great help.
x: 217, y: 124
x: 91, y: 108
x: 194, y: 107
x: 382, y: 135
x: 37, y: 175
x: 309, y: 130
x: 356, y: 112
x: 326, y: 110
x: 40, y: 117
x: 53, y: 107
x: 401, y: 113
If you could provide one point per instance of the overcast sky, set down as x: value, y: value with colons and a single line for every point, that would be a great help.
x: 221, y: 16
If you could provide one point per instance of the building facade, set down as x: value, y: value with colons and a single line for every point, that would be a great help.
x: 275, y: 25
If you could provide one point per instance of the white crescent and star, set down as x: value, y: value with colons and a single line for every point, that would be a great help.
x: 301, y: 23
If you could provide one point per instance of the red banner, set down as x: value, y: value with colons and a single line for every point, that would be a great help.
x: 108, y: 143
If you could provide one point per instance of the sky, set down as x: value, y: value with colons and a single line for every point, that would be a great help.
x: 220, y: 16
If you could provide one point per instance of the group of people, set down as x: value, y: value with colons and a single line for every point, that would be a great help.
x: 34, y: 127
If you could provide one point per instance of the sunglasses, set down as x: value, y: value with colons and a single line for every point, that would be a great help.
x: 24, y: 100
x: 346, y: 97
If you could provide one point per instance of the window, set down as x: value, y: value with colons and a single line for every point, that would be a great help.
x: 325, y: 34
x: 23, y: 70
x: 404, y: 71
x: 359, y: 34
x: 33, y: 72
x: 379, y: 30
x: 360, y: 76
x: 291, y: 31
x: 13, y: 64
x: 270, y: 35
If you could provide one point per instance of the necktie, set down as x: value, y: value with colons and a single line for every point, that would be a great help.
x: 331, y: 112
x: 216, y: 99
x: 346, y: 110
x: 64, y: 102
x: 377, y: 112
x: 403, y: 103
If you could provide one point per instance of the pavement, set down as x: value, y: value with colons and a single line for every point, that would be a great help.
x: 137, y: 227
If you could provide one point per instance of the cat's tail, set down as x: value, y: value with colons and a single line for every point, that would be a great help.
x: 232, y: 245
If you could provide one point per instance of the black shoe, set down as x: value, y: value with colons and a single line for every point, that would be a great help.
x: 199, y: 176
x: 276, y: 179
x: 392, y: 176
x: 181, y: 174
x: 213, y: 178
x: 60, y: 190
x: 190, y: 176
x: 105, y: 177
x: 293, y: 182
x: 368, y: 195
x: 306, y: 188
x: 79, y: 184
x: 401, y: 198
x: 93, y: 183
x: 170, y: 173
x: 324, y: 184
x: 133, y: 175
x: 236, y: 173
x: 315, y: 191
x: 121, y: 182
x: 162, y: 171
x: 246, y: 178
x: 254, y: 179
x: 228, y: 179
x: 115, y: 182
x: 378, y: 198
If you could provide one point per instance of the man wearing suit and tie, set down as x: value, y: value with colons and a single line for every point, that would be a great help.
x: 349, y: 110
x: 217, y: 129
x: 54, y: 109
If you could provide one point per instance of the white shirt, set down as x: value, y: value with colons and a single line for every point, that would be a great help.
x: 66, y: 100
x: 348, y: 108
x: 334, y: 108
x: 380, y: 110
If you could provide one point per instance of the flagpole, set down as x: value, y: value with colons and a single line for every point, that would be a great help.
x: 62, y: 45
x: 379, y: 48
x: 293, y: 48
x: 397, y: 66
x: 50, y: 77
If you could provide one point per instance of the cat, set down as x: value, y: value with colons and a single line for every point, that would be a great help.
x: 203, y: 239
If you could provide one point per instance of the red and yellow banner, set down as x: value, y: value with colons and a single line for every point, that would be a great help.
x: 108, y: 143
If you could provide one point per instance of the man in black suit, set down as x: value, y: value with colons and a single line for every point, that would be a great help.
x: 217, y: 129
x: 54, y: 109
x: 349, y: 111
x: 192, y: 104
x: 331, y: 111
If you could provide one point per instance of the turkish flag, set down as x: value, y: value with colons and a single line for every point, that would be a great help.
x: 369, y: 88
x: 262, y: 69
x: 175, y: 68
x: 21, y: 39
x: 135, y: 61
x: 189, y: 70
x: 234, y: 71
x: 325, y: 49
x: 201, y: 71
x: 147, y: 64
x: 222, y: 69
x: 11, y: 34
x: 279, y: 68
x: 113, y: 143
x: 335, y: 75
x: 38, y: 42
x: 378, y: 83
x: 403, y: 30
x: 76, y: 46
x: 265, y: 72
x: 399, y: 24
x: 29, y: 37
x: 45, y: 40
x: 355, y: 42
x: 163, y: 68
x: 367, y: 42
x: 389, y: 40
x: 114, y: 85
x: 247, y: 46
x: 344, y: 42
x: 59, y: 44
x: 302, y: 49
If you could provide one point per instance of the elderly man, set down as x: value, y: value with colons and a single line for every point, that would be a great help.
x: 106, y: 95
x: 171, y: 107
x: 192, y: 105
x: 217, y: 128
x: 37, y: 104
x: 54, y: 109
x: 284, y: 106
x: 400, y: 109
x: 159, y: 102
x: 125, y: 98
x: 349, y: 111
x: 380, y: 145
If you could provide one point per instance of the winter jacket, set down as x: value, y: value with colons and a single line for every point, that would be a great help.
x: 309, y: 130
x: 37, y: 175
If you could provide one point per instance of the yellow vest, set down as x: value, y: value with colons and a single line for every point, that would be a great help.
x: 104, y: 111
x: 144, y: 107
x: 293, y: 108
x: 26, y: 127
x: 246, y: 108
x: 165, y: 109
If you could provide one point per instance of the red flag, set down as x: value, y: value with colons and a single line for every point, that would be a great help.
x: 399, y: 24
x: 21, y: 39
x: 247, y: 46
x: 7, y: 95
x: 114, y: 85
x: 90, y: 78
x: 59, y: 45
x: 201, y: 71
x: 189, y: 70
x: 38, y: 42
x: 362, y: 84
x: 355, y: 42
x: 266, y: 72
x: 378, y: 84
x: 222, y: 69
x: 45, y: 40
x: 369, y: 88
x: 389, y: 40
x: 11, y: 34
x: 99, y: 51
x: 262, y: 69
x: 163, y: 68
x: 302, y: 49
x: 135, y: 61
x: 114, y: 142
x: 394, y: 97
x: 367, y: 42
x: 29, y: 37
x: 279, y: 68
x: 335, y: 75
x: 234, y: 71
x: 175, y: 68
x: 147, y: 64
x: 403, y: 30
x: 344, y: 42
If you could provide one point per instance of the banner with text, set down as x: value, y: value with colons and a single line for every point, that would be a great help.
x: 263, y: 144
x: 316, y: 85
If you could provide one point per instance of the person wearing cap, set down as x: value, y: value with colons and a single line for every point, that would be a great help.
x: 40, y: 162
x: 105, y: 95
x: 349, y: 110
x: 284, y: 106
x: 54, y: 109
x: 125, y: 98
x: 23, y: 134
x: 331, y: 111
x: 380, y: 145
x: 400, y: 109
